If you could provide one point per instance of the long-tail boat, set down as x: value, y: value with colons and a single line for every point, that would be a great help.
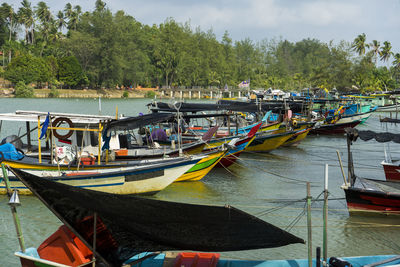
x: 95, y: 232
x: 370, y: 196
x: 105, y: 230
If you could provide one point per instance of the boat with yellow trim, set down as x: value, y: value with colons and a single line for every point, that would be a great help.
x: 203, y: 167
x: 266, y: 141
x: 143, y: 178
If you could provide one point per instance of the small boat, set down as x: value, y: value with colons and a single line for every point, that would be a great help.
x: 266, y: 141
x: 96, y: 233
x: 142, y: 178
x: 114, y: 228
x: 369, y: 196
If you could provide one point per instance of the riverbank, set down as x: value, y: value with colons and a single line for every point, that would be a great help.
x: 87, y: 93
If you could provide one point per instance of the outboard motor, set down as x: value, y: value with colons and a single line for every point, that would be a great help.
x: 13, y: 139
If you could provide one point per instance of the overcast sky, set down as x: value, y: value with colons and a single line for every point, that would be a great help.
x: 293, y: 20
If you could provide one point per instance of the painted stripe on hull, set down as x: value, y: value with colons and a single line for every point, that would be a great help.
x: 202, y: 168
x: 362, y: 200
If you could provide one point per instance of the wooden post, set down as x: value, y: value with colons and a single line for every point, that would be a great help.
x: 199, y: 94
x: 211, y: 94
x: 325, y: 218
x: 309, y: 239
x: 341, y: 168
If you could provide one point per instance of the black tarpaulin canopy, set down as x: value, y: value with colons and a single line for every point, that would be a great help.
x: 353, y: 134
x: 223, y: 105
x: 139, y: 121
x: 131, y: 225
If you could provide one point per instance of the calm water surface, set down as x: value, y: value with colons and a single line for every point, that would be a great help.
x: 270, y: 186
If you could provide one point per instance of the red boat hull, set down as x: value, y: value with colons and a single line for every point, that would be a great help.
x: 360, y: 200
x: 228, y: 160
x: 392, y: 172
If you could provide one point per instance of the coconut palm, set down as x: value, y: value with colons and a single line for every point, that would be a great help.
x: 396, y: 61
x: 386, y: 51
x: 68, y: 10
x: 60, y: 20
x: 25, y: 15
x: 7, y: 12
x: 100, y: 6
x: 43, y: 13
x: 359, y: 44
x: 74, y: 17
x: 375, y: 49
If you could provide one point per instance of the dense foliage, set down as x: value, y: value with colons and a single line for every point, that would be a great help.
x: 23, y: 91
x: 72, y: 49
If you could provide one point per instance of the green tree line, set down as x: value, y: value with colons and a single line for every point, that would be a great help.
x: 76, y: 49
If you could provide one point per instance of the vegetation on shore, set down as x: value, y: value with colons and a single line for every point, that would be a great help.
x: 99, y: 49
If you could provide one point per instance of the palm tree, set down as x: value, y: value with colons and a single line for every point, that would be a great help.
x: 386, y: 51
x: 60, y: 20
x: 375, y: 46
x: 75, y: 17
x: 68, y: 10
x: 7, y: 12
x: 359, y: 44
x: 100, y: 6
x: 396, y: 61
x: 25, y: 14
x: 43, y: 12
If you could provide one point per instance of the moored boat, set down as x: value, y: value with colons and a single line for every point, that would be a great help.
x: 369, y: 196
x: 142, y: 178
x: 99, y: 221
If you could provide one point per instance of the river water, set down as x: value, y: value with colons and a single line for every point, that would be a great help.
x: 271, y: 186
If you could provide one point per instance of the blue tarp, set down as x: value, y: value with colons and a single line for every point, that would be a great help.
x: 9, y: 152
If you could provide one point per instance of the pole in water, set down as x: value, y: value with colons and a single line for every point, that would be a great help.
x: 14, y: 202
x: 99, y: 104
x: 325, y: 219
x: 309, y: 239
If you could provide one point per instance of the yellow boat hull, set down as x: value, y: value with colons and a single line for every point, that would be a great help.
x: 265, y: 143
x: 297, y: 138
x: 202, y: 168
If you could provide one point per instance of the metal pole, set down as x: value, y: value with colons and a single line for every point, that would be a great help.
x: 28, y: 135
x: 309, y: 239
x: 39, y: 143
x: 325, y: 236
x: 14, y: 211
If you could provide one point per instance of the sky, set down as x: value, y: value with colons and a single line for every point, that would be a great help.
x: 293, y: 20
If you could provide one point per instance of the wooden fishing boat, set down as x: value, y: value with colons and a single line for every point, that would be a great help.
x: 264, y: 141
x: 370, y: 196
x: 96, y: 231
x: 204, y: 166
x: 140, y: 178
x: 103, y: 226
x: 299, y: 136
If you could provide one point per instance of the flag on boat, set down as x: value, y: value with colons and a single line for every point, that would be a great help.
x: 44, y: 126
x: 244, y: 84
